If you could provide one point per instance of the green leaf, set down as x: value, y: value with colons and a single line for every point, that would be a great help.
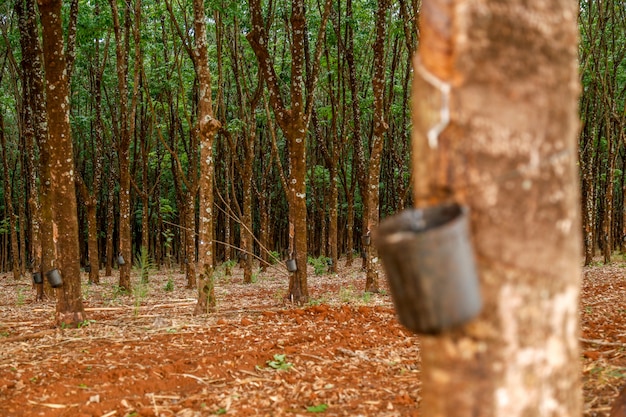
x: 320, y: 408
x: 279, y: 362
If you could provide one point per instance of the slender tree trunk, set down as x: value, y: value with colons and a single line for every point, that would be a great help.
x: 332, y: 218
x: 28, y: 82
x: 69, y: 307
x: 495, y: 127
x: 110, y: 220
x: 8, y: 200
x: 228, y: 233
x: 124, y: 220
x: 125, y: 215
x: 247, y: 238
x: 350, y: 228
x: 263, y: 229
x: 357, y: 140
x: 92, y: 242
x: 607, y: 224
x: 33, y: 204
x: 588, y: 194
x: 92, y: 231
x: 31, y: 47
x: 190, y: 241
x: 298, y: 287
x: 23, y: 221
x: 380, y: 127
x: 294, y: 124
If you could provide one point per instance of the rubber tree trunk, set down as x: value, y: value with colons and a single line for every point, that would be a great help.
x: 333, y: 214
x: 375, y: 159
x: 190, y: 240
x: 92, y: 244
x: 35, y: 122
x: 207, y: 126
x: 247, y: 239
x: 110, y: 220
x: 35, y: 75
x: 495, y: 127
x: 123, y: 149
x: 69, y: 306
x: 8, y: 194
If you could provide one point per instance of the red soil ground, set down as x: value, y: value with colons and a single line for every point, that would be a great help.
x: 344, y: 354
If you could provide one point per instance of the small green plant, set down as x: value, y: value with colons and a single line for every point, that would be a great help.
x: 274, y: 257
x: 220, y: 412
x: 228, y: 266
x: 4, y: 334
x: 140, y: 290
x: 254, y: 278
x: 169, y: 286
x: 320, y: 408
x: 366, y: 297
x: 320, y: 265
x: 279, y: 362
x: 229, y: 263
x: 83, y: 386
x: 144, y: 263
x: 85, y: 323
x: 317, y: 301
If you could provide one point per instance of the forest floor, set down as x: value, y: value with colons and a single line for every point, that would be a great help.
x: 343, y: 354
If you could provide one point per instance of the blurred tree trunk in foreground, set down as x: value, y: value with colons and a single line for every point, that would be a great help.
x: 496, y: 122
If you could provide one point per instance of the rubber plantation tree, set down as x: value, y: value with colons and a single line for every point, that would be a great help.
x: 207, y: 127
x: 380, y: 127
x: 89, y: 194
x: 36, y: 132
x: 495, y: 116
x: 248, y: 97
x: 69, y: 306
x: 124, y: 133
x: 8, y: 199
x: 187, y: 182
x: 293, y: 122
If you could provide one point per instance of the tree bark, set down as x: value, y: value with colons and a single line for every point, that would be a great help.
x: 207, y: 127
x: 110, y: 219
x: 69, y: 306
x: 92, y: 230
x: 358, y: 156
x: 29, y: 39
x: 190, y: 240
x: 609, y: 192
x: 123, y: 145
x: 294, y: 124
x: 31, y: 61
x: 495, y: 127
x: 371, y: 214
x: 8, y: 200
